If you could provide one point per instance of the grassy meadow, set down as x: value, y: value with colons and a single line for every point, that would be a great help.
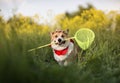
x: 98, y: 64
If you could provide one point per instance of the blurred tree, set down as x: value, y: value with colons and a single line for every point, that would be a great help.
x: 25, y: 25
x: 91, y: 18
x: 80, y: 10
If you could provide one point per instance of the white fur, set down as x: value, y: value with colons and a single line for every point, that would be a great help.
x: 60, y: 58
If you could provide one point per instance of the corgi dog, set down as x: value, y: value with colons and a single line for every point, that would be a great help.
x: 64, y: 50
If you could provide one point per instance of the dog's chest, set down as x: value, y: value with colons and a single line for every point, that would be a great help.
x: 67, y: 53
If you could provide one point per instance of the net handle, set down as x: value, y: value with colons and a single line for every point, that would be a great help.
x: 47, y: 45
x: 70, y: 38
x: 39, y: 47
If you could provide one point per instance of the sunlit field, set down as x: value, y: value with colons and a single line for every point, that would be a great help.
x: 100, y: 63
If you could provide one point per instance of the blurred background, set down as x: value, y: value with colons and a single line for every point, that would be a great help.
x: 47, y: 9
x: 26, y: 24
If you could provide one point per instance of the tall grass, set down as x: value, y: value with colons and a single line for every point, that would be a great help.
x: 98, y: 64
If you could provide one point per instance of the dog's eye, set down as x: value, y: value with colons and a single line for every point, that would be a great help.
x: 56, y: 36
x: 62, y: 36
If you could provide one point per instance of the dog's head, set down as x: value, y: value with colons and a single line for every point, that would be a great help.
x: 58, y: 38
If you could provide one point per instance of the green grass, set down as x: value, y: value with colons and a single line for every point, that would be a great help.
x: 98, y: 64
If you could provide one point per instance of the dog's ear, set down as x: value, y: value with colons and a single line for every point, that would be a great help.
x: 51, y: 33
x: 67, y: 31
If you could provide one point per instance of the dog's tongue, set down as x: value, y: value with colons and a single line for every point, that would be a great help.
x: 61, y: 52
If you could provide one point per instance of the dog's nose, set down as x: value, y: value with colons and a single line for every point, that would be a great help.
x: 59, y: 40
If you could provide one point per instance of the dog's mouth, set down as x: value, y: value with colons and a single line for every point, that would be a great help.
x: 60, y: 43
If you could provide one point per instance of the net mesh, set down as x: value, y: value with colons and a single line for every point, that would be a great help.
x: 84, y: 37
